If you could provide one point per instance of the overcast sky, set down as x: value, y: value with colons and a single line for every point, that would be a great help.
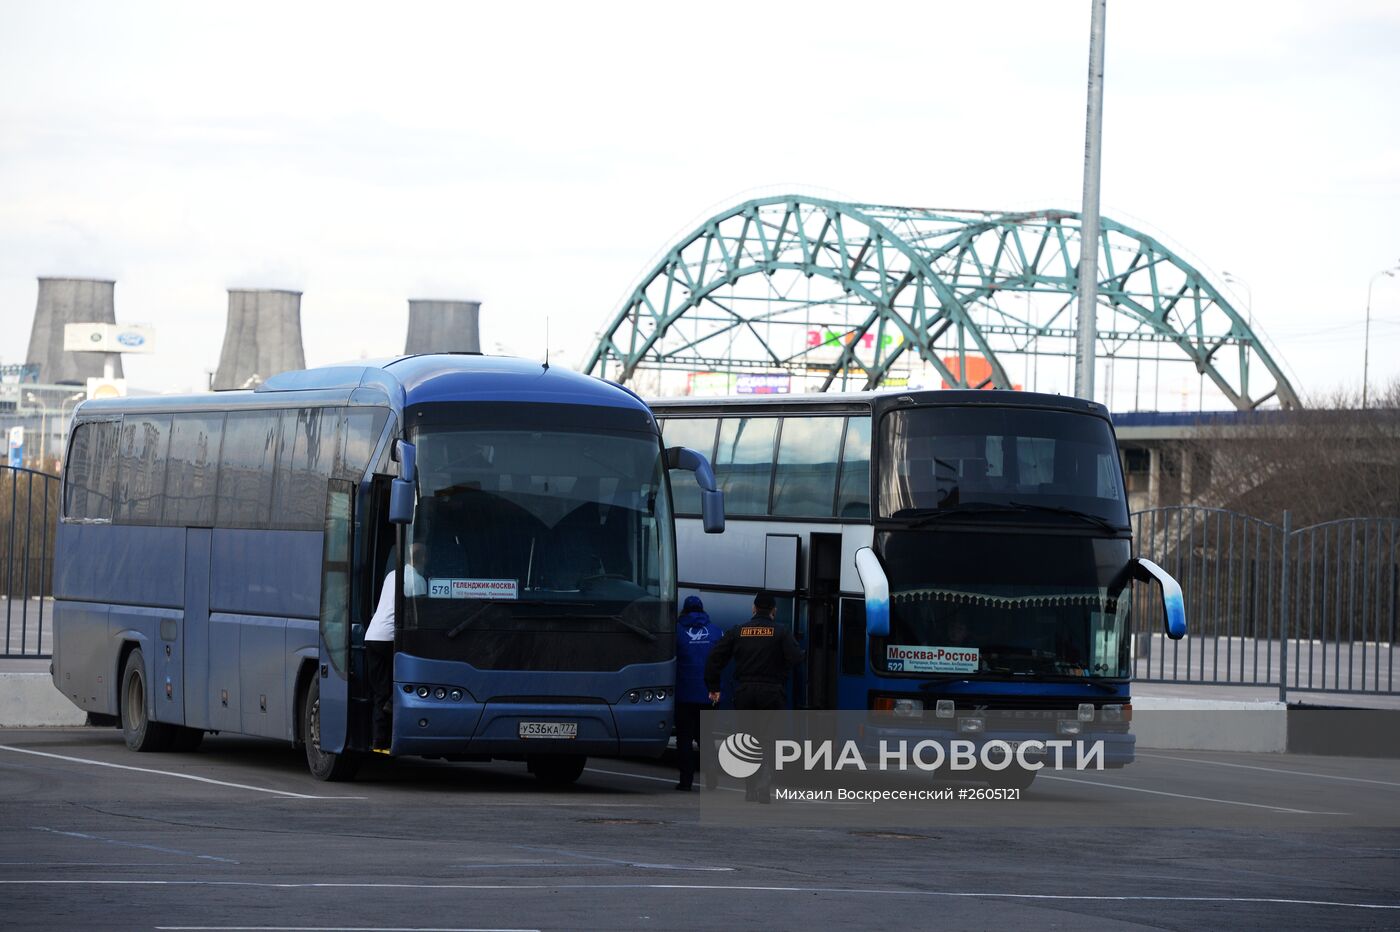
x: 538, y: 156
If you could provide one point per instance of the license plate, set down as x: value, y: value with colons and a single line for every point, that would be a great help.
x: 549, y: 729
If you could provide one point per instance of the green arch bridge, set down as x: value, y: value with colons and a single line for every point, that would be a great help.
x: 851, y: 295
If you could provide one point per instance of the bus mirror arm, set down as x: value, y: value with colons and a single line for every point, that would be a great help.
x: 711, y: 498
x: 1173, y: 604
x: 403, y: 491
x: 877, y: 593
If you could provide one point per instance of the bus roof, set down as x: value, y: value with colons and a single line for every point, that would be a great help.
x: 883, y: 400
x: 399, y: 382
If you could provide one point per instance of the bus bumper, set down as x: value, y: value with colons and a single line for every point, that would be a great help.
x: 514, y: 726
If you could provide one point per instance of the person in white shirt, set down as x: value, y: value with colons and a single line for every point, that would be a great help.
x: 379, y: 645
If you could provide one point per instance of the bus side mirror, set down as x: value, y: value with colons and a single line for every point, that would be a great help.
x: 403, y: 493
x: 711, y: 498
x: 1173, y: 604
x: 877, y: 593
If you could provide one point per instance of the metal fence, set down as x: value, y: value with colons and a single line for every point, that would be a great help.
x: 28, y: 520
x: 1312, y: 609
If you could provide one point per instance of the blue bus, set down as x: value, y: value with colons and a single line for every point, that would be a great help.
x: 219, y: 556
x: 942, y: 557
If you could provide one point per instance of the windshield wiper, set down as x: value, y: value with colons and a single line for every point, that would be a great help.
x: 925, y: 516
x: 1072, y: 512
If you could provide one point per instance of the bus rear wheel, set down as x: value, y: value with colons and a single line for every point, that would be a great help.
x: 324, y: 765
x: 557, y: 769
x: 140, y: 732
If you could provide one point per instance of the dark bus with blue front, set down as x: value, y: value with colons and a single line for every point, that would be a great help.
x: 219, y: 557
x: 954, y: 561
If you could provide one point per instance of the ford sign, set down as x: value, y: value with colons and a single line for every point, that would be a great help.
x: 131, y: 339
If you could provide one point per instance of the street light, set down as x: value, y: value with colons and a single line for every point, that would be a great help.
x: 1248, y: 294
x: 1366, y: 353
x: 43, y: 425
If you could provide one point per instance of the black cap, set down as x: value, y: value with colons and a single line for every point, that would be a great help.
x: 764, y: 602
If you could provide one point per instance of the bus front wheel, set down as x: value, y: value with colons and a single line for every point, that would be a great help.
x: 324, y: 765
x: 140, y: 732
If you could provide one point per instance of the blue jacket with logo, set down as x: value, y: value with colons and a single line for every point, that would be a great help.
x: 696, y: 636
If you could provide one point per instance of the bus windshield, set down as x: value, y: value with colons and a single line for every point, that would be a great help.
x: 541, y: 540
x: 970, y: 603
x: 938, y: 461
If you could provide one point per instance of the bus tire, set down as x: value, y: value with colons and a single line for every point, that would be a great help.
x: 187, y: 739
x: 324, y: 765
x: 557, y: 769
x: 140, y: 732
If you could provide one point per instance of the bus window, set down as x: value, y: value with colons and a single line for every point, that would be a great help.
x: 805, y: 482
x: 359, y: 433
x: 141, y: 470
x: 697, y: 433
x: 304, y: 465
x: 744, y: 463
x: 192, y: 470
x: 92, y: 471
x: 854, y: 498
x: 246, y: 468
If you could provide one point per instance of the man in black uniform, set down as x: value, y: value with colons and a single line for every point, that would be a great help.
x: 763, y: 652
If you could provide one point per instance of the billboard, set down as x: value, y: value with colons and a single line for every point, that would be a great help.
x: 108, y: 338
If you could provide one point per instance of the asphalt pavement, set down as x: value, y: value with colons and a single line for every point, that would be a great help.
x: 237, y: 835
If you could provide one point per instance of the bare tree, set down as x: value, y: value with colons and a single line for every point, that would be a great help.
x: 1327, y: 461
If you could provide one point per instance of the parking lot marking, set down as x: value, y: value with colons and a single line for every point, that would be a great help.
x: 1296, y: 773
x: 642, y: 776
x: 170, y: 773
x: 1203, y: 799
x: 132, y: 844
x: 714, y: 888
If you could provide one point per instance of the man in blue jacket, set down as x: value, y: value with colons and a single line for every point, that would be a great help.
x: 696, y: 635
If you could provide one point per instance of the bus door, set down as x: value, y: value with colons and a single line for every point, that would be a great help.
x: 333, y: 668
x: 823, y: 584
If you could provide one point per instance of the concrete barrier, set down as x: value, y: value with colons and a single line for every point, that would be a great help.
x: 1210, y: 725
x: 31, y: 699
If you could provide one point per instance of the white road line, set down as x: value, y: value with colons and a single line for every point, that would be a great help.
x: 132, y: 844
x: 640, y: 776
x: 333, y: 929
x: 1203, y: 799
x: 1296, y: 773
x: 709, y: 887
x: 171, y: 773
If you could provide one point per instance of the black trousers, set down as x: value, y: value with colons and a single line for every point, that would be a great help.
x: 379, y: 659
x: 765, y: 698
x: 687, y: 736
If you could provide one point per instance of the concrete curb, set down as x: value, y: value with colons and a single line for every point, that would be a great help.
x: 1210, y: 725
x: 31, y: 700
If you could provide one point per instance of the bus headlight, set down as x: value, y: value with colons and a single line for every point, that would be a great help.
x: 646, y: 695
x: 422, y: 692
x: 456, y: 695
x: 634, y: 696
x: 439, y: 693
x: 1086, y: 711
x: 944, y: 708
x: 1112, y: 713
x: 909, y: 708
x: 1068, y: 727
x: 972, y: 724
x: 660, y: 695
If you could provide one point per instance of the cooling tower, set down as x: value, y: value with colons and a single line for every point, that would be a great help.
x: 69, y: 301
x: 262, y: 338
x: 443, y: 327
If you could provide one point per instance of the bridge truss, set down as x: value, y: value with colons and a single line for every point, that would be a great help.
x: 859, y: 296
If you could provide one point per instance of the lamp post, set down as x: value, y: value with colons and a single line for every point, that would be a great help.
x: 1249, y: 318
x: 43, y: 425
x: 1366, y: 352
